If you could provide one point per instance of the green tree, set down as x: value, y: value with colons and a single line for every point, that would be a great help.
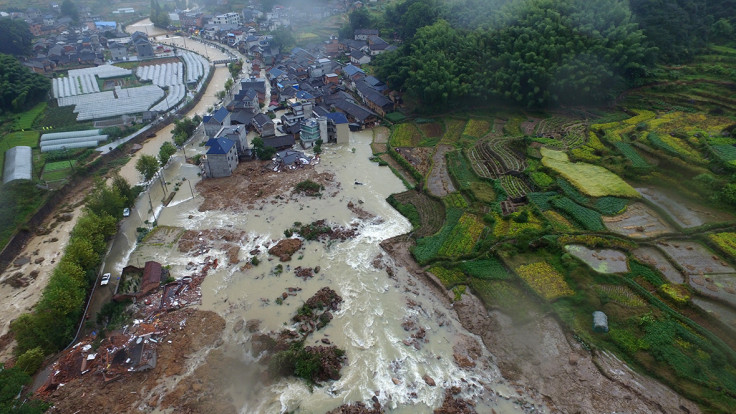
x: 16, y: 37
x: 159, y: 17
x: 30, y: 361
x: 12, y: 381
x: 69, y: 9
x: 165, y: 152
x: 235, y: 68
x: 184, y: 129
x: 105, y: 200
x: 262, y: 152
x: 283, y: 38
x: 122, y: 187
x: 83, y: 253
x: 358, y: 19
x: 147, y: 165
x: 19, y: 87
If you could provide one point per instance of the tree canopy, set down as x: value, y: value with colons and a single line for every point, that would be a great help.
x: 16, y: 37
x: 19, y: 87
x: 159, y: 16
x: 539, y: 52
x: 147, y: 165
x: 68, y: 8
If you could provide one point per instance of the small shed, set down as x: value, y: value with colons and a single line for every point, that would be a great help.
x: 600, y: 322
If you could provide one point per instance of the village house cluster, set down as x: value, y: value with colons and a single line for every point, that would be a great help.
x: 314, y: 92
x: 317, y: 92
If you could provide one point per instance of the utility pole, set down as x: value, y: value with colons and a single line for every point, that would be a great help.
x: 190, y: 186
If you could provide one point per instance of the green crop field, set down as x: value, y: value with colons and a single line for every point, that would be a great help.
x: 593, y: 180
x: 25, y: 120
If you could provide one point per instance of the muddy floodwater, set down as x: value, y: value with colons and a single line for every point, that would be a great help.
x: 368, y: 325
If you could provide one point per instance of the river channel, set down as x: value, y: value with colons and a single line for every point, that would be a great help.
x: 369, y: 323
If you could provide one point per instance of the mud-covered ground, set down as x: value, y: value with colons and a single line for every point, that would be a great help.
x: 252, y: 183
x: 167, y: 385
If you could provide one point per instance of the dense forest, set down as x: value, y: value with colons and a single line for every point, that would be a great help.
x: 537, y: 53
x: 19, y: 87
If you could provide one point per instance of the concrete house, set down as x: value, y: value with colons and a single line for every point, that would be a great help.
x: 221, y: 159
x: 338, y: 130
x: 357, y: 57
x: 118, y: 51
x: 246, y: 101
x: 313, y: 129
x: 353, y: 72
x: 263, y: 125
x: 235, y: 133
x: 364, y: 34
x: 213, y: 123
x: 142, y: 45
x: 257, y: 84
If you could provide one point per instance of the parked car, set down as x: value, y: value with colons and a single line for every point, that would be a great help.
x: 105, y: 279
x: 126, y: 212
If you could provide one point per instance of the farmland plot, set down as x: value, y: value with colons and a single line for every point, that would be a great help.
x: 723, y: 313
x: 569, y: 133
x: 720, y: 286
x: 515, y: 187
x: 431, y: 212
x: 655, y: 258
x: 638, y: 222
x: 494, y: 158
x: 694, y: 258
x: 590, y: 179
x: 463, y: 237
x: 686, y: 214
x: 545, y: 280
x: 602, y: 261
x: 418, y: 157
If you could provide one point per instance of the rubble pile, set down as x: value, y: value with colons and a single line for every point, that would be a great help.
x: 284, y: 249
x: 362, y: 214
x: 358, y: 408
x: 200, y: 242
x: 304, y: 272
x: 321, y: 231
x: 454, y: 405
x: 134, y: 347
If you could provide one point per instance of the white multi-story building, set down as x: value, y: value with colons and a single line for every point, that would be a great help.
x: 227, y: 18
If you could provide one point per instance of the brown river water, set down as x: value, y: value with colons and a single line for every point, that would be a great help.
x: 369, y: 323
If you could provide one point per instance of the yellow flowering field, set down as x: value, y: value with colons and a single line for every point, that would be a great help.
x: 545, y: 280
x: 463, y: 236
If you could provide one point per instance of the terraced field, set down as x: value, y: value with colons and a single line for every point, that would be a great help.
x: 627, y: 212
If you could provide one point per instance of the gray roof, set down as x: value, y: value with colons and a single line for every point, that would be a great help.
x: 18, y: 164
x: 373, y: 95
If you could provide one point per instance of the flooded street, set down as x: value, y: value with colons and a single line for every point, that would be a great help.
x: 369, y: 323
x: 145, y: 26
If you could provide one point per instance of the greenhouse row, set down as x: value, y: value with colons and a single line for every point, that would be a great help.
x: 175, y: 95
x: 72, y: 139
x: 107, y: 104
x: 162, y: 75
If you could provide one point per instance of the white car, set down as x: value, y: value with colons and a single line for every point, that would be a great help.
x: 105, y: 279
x: 126, y: 212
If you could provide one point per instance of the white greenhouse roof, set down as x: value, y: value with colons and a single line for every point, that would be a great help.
x: 18, y: 164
